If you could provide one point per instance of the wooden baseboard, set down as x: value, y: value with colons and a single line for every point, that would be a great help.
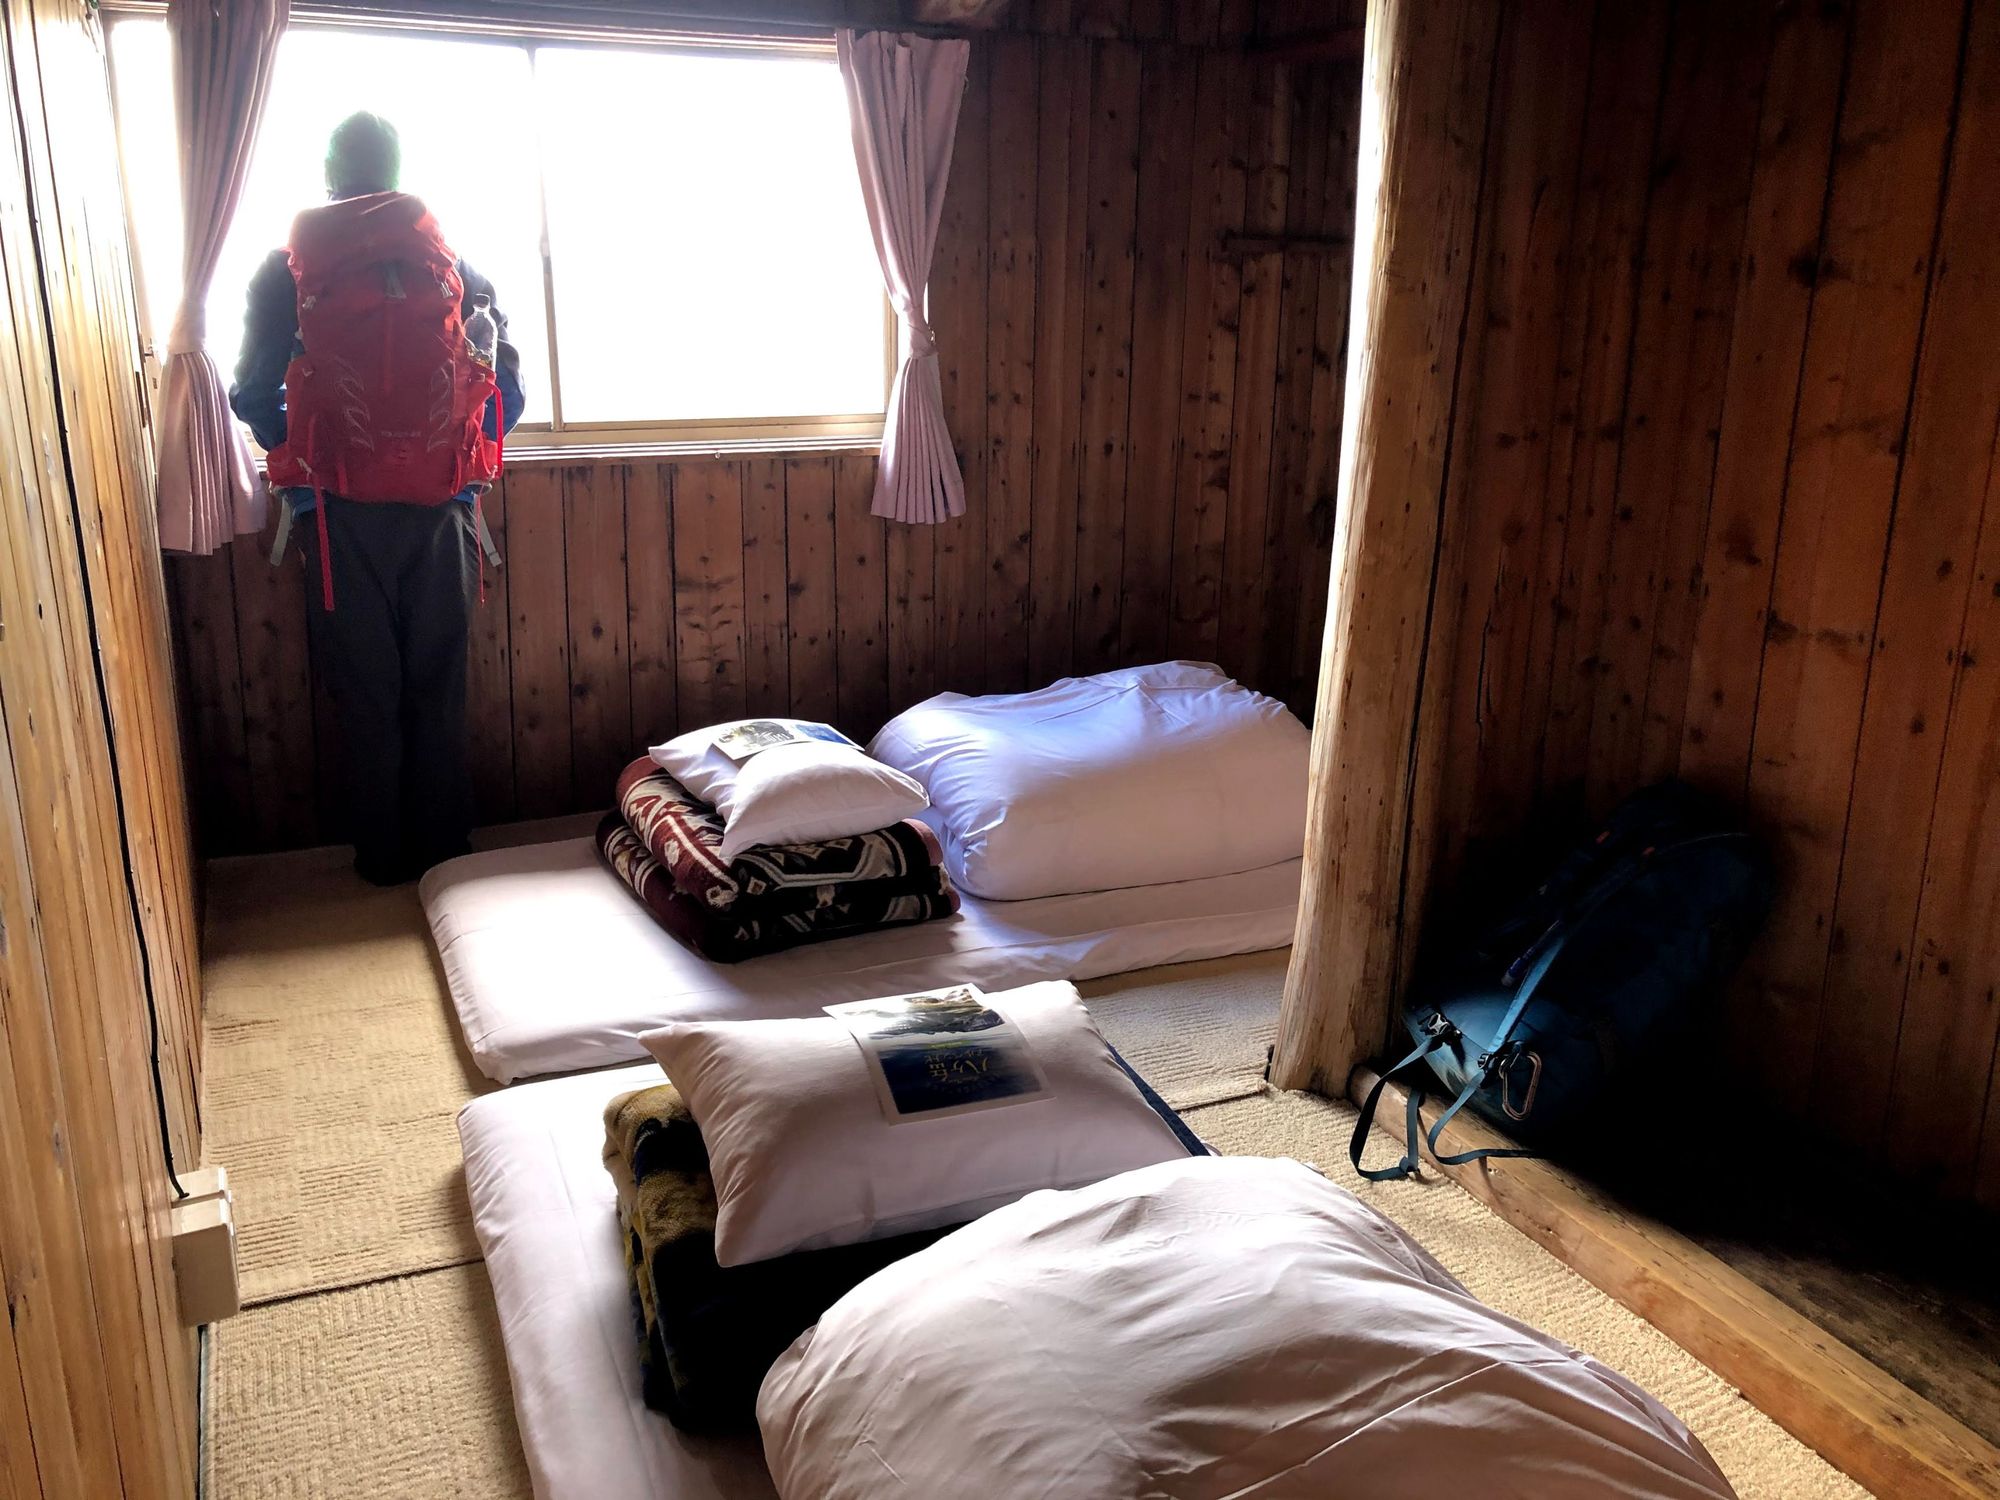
x: 1817, y: 1388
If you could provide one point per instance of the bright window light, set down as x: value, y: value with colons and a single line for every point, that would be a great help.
x: 708, y: 250
x: 711, y: 252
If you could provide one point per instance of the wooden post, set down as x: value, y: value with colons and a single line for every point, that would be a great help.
x: 1426, y: 74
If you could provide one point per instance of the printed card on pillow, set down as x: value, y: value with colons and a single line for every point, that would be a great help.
x: 787, y: 781
x: 806, y: 1155
x: 1136, y: 777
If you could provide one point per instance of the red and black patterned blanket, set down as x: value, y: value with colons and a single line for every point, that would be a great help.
x: 753, y: 926
x: 684, y: 836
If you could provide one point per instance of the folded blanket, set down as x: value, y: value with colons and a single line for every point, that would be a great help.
x: 750, y: 929
x: 684, y: 835
x: 708, y: 1333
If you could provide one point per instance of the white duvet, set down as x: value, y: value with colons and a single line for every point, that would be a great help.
x: 1220, y: 1328
x: 1128, y: 778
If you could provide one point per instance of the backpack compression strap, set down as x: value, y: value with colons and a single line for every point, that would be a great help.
x: 1442, y: 1032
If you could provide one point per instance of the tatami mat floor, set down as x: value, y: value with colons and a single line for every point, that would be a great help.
x: 369, y: 1362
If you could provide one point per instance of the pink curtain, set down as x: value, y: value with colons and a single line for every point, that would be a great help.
x: 223, y: 53
x: 902, y: 97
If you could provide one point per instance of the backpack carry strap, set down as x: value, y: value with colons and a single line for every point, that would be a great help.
x: 486, y: 543
x: 284, y: 536
x: 1441, y: 1032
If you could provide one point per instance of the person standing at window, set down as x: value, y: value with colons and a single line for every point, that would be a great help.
x: 377, y: 375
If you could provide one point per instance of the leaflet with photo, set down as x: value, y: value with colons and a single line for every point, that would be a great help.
x: 941, y: 1052
x: 752, y: 735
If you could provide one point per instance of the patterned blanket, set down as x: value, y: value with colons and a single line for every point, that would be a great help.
x: 751, y: 927
x: 707, y: 1333
x: 684, y: 836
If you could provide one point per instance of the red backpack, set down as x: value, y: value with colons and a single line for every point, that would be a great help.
x: 385, y: 402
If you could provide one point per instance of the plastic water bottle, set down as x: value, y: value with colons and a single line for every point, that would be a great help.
x: 481, y: 331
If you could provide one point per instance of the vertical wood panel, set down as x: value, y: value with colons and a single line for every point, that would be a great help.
x: 1495, y: 514
x: 649, y: 602
x: 1240, y: 634
x: 767, y: 672
x: 811, y: 581
x: 912, y: 621
x: 1159, y: 288
x: 1287, y: 513
x: 1781, y: 252
x: 538, y: 643
x: 1010, y: 363
x: 1694, y: 227
x: 1847, y: 442
x: 861, y: 583
x: 1628, y: 57
x: 277, y: 689
x: 1946, y: 1077
x: 1109, y: 229
x: 1208, y: 359
x: 205, y: 602
x: 708, y: 593
x: 1062, y: 155
x: 600, y: 680
x: 1960, y: 919
x: 1932, y: 554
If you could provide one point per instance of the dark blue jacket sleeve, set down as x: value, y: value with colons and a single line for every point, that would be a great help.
x: 506, y: 360
x: 270, y: 339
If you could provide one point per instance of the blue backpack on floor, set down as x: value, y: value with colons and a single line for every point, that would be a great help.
x: 1597, y: 972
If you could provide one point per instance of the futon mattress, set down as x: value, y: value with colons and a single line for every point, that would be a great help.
x: 553, y: 967
x: 546, y: 1213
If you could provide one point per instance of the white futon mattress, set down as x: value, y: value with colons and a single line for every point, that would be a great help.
x: 547, y: 1219
x: 554, y: 967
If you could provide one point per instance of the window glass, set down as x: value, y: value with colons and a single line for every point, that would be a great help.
x: 709, y: 252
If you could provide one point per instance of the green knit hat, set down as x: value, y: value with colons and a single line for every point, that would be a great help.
x: 364, y: 155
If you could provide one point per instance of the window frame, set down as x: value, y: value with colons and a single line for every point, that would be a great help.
x: 556, y: 434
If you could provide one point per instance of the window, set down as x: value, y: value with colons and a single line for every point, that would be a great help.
x: 676, y: 236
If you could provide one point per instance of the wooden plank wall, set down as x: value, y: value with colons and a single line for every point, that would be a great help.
x: 97, y: 1377
x: 1722, y: 506
x: 1148, y: 433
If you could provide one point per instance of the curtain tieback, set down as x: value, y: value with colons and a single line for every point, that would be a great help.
x: 918, y: 340
x: 189, y: 333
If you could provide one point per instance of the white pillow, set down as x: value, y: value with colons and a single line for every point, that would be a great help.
x: 817, y: 788
x: 804, y: 1158
x: 1211, y: 1327
x: 1134, y: 777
